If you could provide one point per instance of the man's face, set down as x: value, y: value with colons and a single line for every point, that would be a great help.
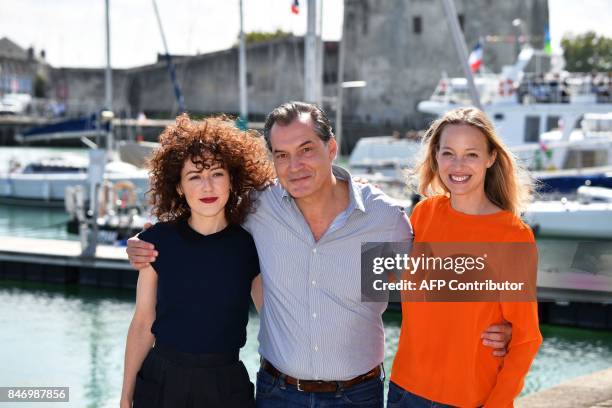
x: 302, y: 160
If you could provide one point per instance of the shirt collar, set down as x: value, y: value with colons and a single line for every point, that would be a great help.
x: 355, y: 194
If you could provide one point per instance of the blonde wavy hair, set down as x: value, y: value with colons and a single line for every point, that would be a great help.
x: 507, y: 184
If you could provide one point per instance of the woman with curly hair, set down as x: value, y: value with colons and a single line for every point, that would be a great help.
x: 192, y: 302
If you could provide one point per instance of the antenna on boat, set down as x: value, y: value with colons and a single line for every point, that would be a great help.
x: 460, y: 47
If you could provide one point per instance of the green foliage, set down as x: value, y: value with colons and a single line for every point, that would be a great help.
x: 587, y: 52
x: 261, y: 36
x: 40, y: 86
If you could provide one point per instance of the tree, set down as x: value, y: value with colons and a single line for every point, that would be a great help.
x: 260, y: 36
x: 40, y: 86
x: 587, y: 52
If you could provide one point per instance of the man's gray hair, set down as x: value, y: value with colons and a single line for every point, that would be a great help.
x: 288, y: 112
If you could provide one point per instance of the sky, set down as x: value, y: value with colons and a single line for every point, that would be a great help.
x: 72, y: 31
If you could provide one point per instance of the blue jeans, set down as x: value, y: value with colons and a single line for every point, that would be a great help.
x: 400, y: 398
x: 272, y: 392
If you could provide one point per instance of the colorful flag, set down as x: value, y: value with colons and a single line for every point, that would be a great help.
x: 547, y: 45
x: 295, y: 7
x: 475, y: 59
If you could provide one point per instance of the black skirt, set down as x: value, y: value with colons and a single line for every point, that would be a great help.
x: 171, y: 379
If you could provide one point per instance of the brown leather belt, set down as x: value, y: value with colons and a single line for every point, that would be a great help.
x: 320, y: 386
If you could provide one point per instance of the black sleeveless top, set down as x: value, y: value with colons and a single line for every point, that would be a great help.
x: 203, y: 286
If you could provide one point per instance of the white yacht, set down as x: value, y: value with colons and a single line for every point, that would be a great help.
x: 44, y: 182
x: 588, y: 217
x: 524, y: 108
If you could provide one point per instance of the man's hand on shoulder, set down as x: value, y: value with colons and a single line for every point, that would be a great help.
x: 140, y: 253
x: 363, y: 181
x: 498, y: 337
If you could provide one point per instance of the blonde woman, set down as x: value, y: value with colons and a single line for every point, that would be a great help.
x: 474, y: 193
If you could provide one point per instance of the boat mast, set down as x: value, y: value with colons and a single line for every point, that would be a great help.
x: 460, y: 47
x: 242, y: 69
x: 108, y: 79
x: 320, y: 54
x: 339, y: 100
x: 177, y: 89
x: 310, y: 56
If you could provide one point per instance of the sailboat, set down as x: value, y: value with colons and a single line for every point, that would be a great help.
x: 44, y: 182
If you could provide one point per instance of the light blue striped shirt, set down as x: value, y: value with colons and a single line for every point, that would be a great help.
x: 314, y: 325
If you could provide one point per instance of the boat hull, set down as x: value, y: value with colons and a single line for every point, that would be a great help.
x: 50, y: 189
x: 570, y: 219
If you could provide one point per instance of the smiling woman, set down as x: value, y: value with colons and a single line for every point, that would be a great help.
x: 205, y: 150
x: 475, y: 193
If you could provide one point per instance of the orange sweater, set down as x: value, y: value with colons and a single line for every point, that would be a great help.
x: 440, y: 354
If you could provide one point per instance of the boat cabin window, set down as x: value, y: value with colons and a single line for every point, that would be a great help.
x: 498, y: 116
x: 577, y: 159
x: 532, y: 129
x: 552, y: 122
x: 417, y: 25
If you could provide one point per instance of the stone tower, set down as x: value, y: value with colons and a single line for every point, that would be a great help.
x: 401, y: 48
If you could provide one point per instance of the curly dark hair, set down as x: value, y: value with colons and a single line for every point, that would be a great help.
x: 215, y: 140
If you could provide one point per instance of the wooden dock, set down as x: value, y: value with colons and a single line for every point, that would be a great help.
x: 589, y: 391
x: 570, y: 298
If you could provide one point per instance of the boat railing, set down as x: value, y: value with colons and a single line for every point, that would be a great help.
x: 531, y: 89
x: 570, y: 89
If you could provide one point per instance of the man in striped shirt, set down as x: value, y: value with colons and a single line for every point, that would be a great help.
x: 320, y: 344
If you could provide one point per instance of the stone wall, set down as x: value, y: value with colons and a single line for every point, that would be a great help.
x: 402, y: 66
x: 209, y: 82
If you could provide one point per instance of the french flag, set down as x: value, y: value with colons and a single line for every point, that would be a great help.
x: 475, y: 59
x: 295, y: 7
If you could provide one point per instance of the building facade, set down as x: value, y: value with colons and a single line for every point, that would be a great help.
x: 20, y: 68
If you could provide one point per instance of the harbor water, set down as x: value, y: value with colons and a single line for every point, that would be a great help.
x: 75, y: 336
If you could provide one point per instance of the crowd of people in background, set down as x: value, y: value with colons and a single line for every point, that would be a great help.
x: 555, y: 88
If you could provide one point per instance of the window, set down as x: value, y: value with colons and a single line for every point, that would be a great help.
x: 552, y: 122
x: 461, y: 18
x: 330, y: 77
x: 249, y: 79
x: 417, y: 25
x: 498, y: 116
x: 532, y: 129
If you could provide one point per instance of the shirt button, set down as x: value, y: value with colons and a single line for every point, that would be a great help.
x: 314, y: 282
x: 316, y: 348
x: 314, y: 250
x: 314, y: 315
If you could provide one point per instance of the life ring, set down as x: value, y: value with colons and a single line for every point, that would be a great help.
x: 506, y: 87
x: 127, y: 200
x: 443, y: 86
